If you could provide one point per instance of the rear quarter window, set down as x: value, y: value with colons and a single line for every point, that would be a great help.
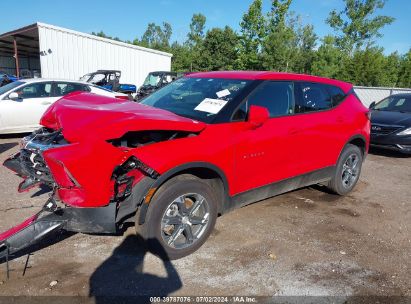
x: 337, y: 95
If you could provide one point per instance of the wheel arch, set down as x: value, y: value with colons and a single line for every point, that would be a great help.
x: 203, y: 170
x: 359, y: 141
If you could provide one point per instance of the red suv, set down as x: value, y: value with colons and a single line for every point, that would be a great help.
x: 197, y: 148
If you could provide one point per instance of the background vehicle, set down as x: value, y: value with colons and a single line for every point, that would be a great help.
x: 109, y: 79
x: 391, y: 123
x: 197, y: 148
x: 6, y: 78
x: 23, y: 102
x: 155, y: 81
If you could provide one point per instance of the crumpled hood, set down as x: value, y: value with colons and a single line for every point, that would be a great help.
x: 391, y: 118
x: 83, y: 115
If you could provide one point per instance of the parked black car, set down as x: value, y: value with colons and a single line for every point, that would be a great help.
x: 391, y: 123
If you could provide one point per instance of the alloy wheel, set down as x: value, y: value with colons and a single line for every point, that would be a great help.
x: 185, y: 220
x: 351, y: 170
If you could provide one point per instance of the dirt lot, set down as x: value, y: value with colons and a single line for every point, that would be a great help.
x: 307, y: 242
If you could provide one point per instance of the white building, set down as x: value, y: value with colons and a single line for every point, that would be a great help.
x: 56, y: 52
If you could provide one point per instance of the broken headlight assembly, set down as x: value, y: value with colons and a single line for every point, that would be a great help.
x: 124, y: 180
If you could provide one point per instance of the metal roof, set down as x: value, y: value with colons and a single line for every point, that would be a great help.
x: 30, y: 33
x: 94, y: 37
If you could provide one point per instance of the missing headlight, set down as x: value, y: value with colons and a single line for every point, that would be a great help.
x: 135, y: 139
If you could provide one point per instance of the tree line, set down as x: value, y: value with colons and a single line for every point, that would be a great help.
x: 277, y: 40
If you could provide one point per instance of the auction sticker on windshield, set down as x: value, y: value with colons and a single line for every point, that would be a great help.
x: 223, y: 93
x: 210, y: 105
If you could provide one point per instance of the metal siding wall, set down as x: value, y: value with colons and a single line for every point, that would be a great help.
x: 8, y: 65
x: 369, y: 94
x: 74, y: 55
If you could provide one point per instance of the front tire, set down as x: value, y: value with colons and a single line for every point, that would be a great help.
x: 347, y: 171
x: 180, y: 218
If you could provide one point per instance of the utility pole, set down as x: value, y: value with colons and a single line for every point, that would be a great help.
x: 16, y: 57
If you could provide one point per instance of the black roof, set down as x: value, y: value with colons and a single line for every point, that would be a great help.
x: 107, y: 71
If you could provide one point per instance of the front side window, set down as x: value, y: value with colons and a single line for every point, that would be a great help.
x: 99, y: 79
x: 394, y: 103
x: 197, y: 98
x: 313, y: 97
x: 35, y: 90
x: 276, y: 96
x: 152, y: 80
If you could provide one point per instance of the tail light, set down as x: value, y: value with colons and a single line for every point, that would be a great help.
x: 123, y: 97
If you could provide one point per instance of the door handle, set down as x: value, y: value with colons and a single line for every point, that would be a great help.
x: 46, y: 103
x: 340, y: 119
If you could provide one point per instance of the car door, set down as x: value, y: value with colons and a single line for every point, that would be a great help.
x: 263, y: 155
x: 24, y: 113
x: 319, y: 128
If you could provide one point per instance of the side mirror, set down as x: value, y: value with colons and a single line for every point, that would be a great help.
x: 14, y: 96
x: 372, y: 105
x: 257, y: 116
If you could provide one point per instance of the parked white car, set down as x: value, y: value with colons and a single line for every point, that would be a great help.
x: 23, y: 102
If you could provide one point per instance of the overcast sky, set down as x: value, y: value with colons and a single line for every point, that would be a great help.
x: 128, y: 19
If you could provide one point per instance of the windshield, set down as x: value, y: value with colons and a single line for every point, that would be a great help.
x: 197, y: 98
x: 10, y: 86
x: 85, y: 78
x: 401, y: 103
x: 152, y: 80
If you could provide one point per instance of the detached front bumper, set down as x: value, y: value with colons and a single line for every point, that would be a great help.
x: 52, y: 218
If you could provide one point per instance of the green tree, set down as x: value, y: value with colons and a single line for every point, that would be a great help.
x: 197, y: 26
x: 356, y: 25
x: 404, y: 77
x: 278, y: 14
x: 391, y: 70
x: 193, y: 45
x: 367, y: 67
x: 103, y: 35
x: 253, y: 31
x: 218, y: 51
x: 328, y: 60
x: 156, y: 37
x: 280, y: 45
x: 307, y: 41
x: 182, y: 57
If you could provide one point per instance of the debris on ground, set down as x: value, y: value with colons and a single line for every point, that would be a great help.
x: 272, y: 256
x: 53, y: 283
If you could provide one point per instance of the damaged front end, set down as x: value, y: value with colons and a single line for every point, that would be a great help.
x: 29, y: 162
x: 69, y: 206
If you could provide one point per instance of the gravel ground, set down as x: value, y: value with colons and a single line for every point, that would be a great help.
x: 307, y: 242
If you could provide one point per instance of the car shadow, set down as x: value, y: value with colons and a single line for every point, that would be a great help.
x: 387, y: 153
x: 49, y: 240
x: 121, y: 278
x: 7, y: 146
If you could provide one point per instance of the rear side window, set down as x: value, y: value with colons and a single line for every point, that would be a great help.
x: 276, y: 96
x: 337, y: 95
x: 66, y: 88
x: 313, y: 97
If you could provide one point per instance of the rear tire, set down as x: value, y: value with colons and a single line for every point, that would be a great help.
x: 180, y: 218
x: 347, y: 171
